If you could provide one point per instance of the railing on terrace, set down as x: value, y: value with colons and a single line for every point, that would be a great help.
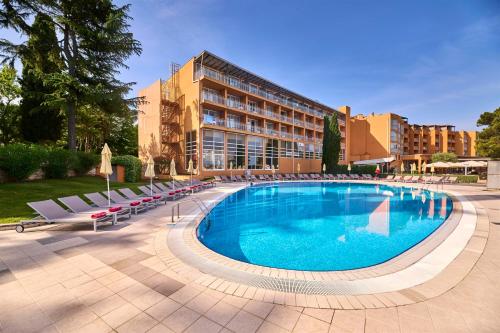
x: 298, y: 137
x: 299, y: 122
x: 234, y: 82
x: 286, y: 135
x: 214, y: 121
x: 236, y: 125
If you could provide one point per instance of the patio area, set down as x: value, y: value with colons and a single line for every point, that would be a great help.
x: 125, y: 278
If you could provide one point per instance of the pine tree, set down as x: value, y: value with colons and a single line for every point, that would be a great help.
x: 95, y: 43
x: 40, y: 122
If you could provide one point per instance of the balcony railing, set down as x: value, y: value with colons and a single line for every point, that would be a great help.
x: 286, y: 135
x: 298, y: 122
x: 298, y: 137
x: 287, y: 119
x: 236, y: 83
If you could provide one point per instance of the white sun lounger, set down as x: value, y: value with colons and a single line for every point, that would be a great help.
x: 78, y: 205
x: 50, y: 212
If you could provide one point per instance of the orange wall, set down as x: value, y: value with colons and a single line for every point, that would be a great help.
x: 149, y: 121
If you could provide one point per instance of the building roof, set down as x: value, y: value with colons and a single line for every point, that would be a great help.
x: 213, y: 61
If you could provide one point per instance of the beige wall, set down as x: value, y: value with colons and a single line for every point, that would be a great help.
x: 149, y: 121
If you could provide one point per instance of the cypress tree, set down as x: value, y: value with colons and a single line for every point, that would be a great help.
x: 335, y: 137
x: 326, y: 159
x: 40, y: 122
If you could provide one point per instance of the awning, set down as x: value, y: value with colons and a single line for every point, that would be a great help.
x: 375, y: 161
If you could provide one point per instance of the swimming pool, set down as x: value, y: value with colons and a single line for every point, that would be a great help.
x: 322, y: 226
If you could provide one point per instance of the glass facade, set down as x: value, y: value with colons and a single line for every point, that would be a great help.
x: 286, y: 149
x: 213, y: 150
x: 191, y: 151
x: 255, y: 152
x: 236, y: 151
x: 272, y: 151
x: 309, y: 151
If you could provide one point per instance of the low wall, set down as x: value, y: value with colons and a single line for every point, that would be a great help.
x: 493, y: 180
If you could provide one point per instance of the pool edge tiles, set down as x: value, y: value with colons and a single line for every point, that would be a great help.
x: 322, y: 226
x: 189, y: 253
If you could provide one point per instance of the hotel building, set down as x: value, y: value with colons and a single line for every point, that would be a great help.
x: 224, y: 117
x: 391, y: 138
x: 227, y: 119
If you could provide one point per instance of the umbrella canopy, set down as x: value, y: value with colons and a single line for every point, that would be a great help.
x: 231, y: 165
x: 432, y: 168
x: 378, y: 168
x: 402, y: 167
x: 349, y: 167
x: 324, y: 167
x: 298, y: 167
x: 424, y: 167
x: 106, y: 168
x: 190, y: 166
x: 150, y: 168
x: 173, y: 172
x: 475, y: 164
x: 443, y: 165
x: 273, y: 170
x: 413, y: 167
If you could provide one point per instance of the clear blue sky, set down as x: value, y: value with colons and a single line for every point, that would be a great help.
x: 433, y: 61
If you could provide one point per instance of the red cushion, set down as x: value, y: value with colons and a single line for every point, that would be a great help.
x: 98, y: 215
x: 135, y: 203
x: 178, y: 191
x: 115, y: 209
x: 171, y: 193
x: 146, y: 200
x: 156, y: 196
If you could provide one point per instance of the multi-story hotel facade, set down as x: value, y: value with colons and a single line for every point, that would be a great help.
x: 391, y: 138
x: 227, y: 119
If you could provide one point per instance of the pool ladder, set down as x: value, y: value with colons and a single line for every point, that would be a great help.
x: 198, y: 203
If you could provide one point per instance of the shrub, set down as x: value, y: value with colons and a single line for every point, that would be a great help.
x: 468, y: 178
x: 133, y: 167
x: 357, y: 169
x: 58, y: 163
x: 19, y: 161
x: 83, y: 162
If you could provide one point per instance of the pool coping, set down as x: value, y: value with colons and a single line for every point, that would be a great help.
x: 417, y: 281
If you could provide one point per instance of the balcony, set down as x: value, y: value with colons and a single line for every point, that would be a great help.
x: 286, y: 135
x: 270, y: 131
x: 310, y: 138
x: 298, y: 137
x: 298, y: 122
x: 236, y: 83
x: 309, y: 124
x: 286, y: 119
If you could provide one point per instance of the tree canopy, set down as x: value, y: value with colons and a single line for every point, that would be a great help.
x: 9, y: 114
x: 444, y: 157
x: 93, y: 43
x: 488, y: 141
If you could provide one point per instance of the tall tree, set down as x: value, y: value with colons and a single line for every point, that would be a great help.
x: 331, y: 142
x: 488, y: 141
x: 444, y: 157
x: 94, y: 44
x: 336, y: 138
x: 39, y: 58
x: 9, y: 114
x: 327, y: 145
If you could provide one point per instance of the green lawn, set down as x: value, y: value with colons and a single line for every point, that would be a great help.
x: 13, y: 196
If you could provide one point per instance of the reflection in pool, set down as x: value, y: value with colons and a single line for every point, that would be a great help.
x: 322, y: 226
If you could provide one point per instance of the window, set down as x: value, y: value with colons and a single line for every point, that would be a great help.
x: 272, y: 150
x: 252, y: 106
x: 309, y: 151
x: 212, y: 117
x: 191, y: 150
x: 234, y: 121
x: 213, y: 150
x: 255, y: 152
x: 236, y: 151
x: 298, y: 150
x: 342, y: 154
x: 319, y: 152
x: 234, y: 102
x: 254, y: 89
x: 286, y: 149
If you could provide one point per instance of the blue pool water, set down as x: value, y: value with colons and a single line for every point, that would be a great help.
x: 322, y: 226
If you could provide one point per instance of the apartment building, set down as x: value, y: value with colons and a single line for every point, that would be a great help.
x: 391, y: 138
x: 227, y: 119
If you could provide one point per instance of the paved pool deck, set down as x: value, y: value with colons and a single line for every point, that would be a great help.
x: 129, y: 278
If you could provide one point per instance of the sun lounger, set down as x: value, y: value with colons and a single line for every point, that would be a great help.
x: 450, y: 180
x: 218, y: 179
x: 101, y: 201
x: 146, y: 190
x: 261, y: 177
x: 117, y: 197
x: 78, y: 205
x: 164, y: 188
x: 389, y: 178
x: 225, y: 179
x: 50, y: 212
x: 293, y: 177
x: 129, y: 194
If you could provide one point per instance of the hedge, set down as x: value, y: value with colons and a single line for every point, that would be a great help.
x: 468, y: 178
x: 356, y: 169
x: 133, y: 167
x: 19, y: 161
